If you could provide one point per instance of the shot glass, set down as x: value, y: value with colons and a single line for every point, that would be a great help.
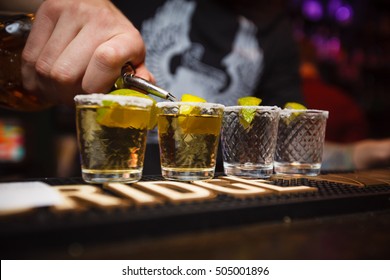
x: 300, y: 143
x: 111, y: 131
x: 188, y: 135
x: 248, y: 140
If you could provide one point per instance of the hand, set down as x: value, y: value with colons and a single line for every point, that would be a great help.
x: 359, y: 155
x: 371, y: 153
x: 79, y: 46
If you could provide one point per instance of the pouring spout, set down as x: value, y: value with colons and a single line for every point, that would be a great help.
x: 132, y: 81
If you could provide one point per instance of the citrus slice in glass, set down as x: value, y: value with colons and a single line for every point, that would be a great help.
x: 187, y: 109
x: 186, y: 97
x: 112, y: 114
x: 249, y: 101
x: 248, y: 114
x: 201, y: 124
x: 130, y: 92
x: 293, y: 106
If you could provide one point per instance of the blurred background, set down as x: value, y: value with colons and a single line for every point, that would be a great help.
x: 344, y: 48
x: 351, y: 41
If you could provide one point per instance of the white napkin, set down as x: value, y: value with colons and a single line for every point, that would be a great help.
x: 18, y: 196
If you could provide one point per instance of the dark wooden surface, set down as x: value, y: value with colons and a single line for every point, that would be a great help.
x: 353, y: 236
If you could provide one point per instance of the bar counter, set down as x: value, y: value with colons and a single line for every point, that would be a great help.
x: 331, y: 216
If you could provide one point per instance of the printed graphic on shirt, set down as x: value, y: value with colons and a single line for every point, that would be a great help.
x: 167, y: 35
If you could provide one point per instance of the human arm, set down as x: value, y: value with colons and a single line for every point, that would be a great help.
x: 79, y: 46
x: 359, y: 155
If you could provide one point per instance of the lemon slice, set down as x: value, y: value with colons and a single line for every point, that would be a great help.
x: 113, y: 114
x: 295, y: 106
x: 201, y: 125
x: 188, y: 109
x: 248, y: 114
x: 186, y: 97
x: 130, y: 92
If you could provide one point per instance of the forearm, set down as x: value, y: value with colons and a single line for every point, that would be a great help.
x: 359, y: 155
x: 26, y: 6
x: 338, y: 157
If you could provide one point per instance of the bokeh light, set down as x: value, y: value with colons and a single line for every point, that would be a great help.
x: 312, y: 10
x: 344, y: 14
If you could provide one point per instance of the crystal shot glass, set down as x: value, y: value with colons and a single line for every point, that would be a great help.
x: 300, y: 142
x: 188, y: 134
x: 248, y: 140
x: 111, y: 131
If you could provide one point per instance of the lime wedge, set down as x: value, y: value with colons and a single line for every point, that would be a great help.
x: 248, y: 114
x: 130, y: 92
x: 295, y: 106
x: 249, y: 101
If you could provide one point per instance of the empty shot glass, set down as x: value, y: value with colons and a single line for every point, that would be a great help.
x: 111, y: 131
x: 188, y: 135
x: 300, y: 143
x: 248, y: 140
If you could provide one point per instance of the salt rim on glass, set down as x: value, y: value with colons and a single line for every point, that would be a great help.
x: 123, y: 100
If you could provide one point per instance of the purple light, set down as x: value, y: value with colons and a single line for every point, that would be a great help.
x: 312, y: 9
x: 333, y: 5
x: 344, y: 14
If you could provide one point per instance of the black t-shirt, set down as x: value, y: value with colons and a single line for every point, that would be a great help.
x: 218, y: 49
x: 215, y: 50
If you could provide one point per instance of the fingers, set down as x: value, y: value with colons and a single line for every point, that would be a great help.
x: 143, y: 72
x: 55, y: 45
x: 46, y: 43
x: 40, y: 33
x: 76, y: 48
x: 108, y: 59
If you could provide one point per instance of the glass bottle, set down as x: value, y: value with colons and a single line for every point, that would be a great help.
x: 14, y: 29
